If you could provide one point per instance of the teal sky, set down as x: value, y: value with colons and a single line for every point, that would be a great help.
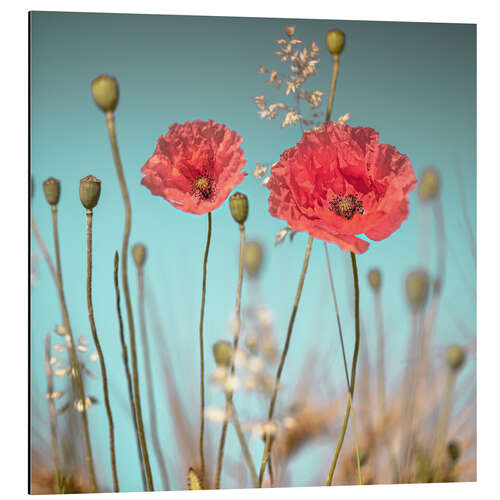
x: 413, y: 82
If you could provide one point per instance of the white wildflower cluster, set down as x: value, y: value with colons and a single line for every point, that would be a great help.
x: 302, y: 62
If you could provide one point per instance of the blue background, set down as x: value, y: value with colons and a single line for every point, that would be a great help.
x: 414, y: 83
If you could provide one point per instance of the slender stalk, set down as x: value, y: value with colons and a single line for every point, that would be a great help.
x: 267, y: 447
x: 44, y: 250
x: 353, y: 370
x: 202, y: 355
x: 149, y: 381
x: 127, y: 370
x: 110, y: 121
x: 100, y: 353
x: 237, y: 328
x: 75, y: 366
x: 333, y: 82
x: 380, y: 356
x: 52, y: 416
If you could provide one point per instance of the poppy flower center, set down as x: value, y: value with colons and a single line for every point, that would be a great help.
x: 203, y: 187
x: 346, y: 206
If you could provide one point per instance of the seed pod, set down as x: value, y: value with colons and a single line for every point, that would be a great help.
x: 105, y: 92
x: 375, y: 279
x: 455, y: 357
x: 52, y: 190
x: 139, y: 254
x: 417, y: 289
x: 428, y: 187
x: 90, y: 191
x: 453, y: 450
x: 335, y: 40
x: 238, y: 203
x: 223, y: 352
x: 253, y: 258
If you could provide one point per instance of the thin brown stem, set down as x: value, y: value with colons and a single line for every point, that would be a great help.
x: 75, y: 365
x: 100, y: 353
x: 236, y: 337
x: 202, y: 355
x: 267, y: 447
x: 333, y: 82
x: 149, y: 381
x: 353, y: 370
x: 52, y: 416
x: 127, y: 370
x: 44, y: 250
x: 110, y: 121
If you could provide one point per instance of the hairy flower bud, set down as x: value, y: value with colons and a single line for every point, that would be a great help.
x: 223, y: 352
x: 455, y: 357
x: 238, y: 203
x: 375, y: 279
x: 335, y: 40
x: 90, y: 191
x: 253, y: 258
x: 52, y: 190
x: 139, y: 254
x: 105, y: 92
x: 428, y: 187
x: 417, y: 289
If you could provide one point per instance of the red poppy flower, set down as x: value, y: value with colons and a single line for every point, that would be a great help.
x: 339, y: 182
x: 195, y: 166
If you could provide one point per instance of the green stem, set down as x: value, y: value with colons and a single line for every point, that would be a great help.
x: 100, y: 353
x: 149, y: 381
x: 75, y: 367
x: 110, y: 121
x: 52, y: 416
x: 335, y: 72
x: 353, y: 370
x: 220, y: 455
x: 267, y: 448
x: 127, y: 370
x: 202, y: 355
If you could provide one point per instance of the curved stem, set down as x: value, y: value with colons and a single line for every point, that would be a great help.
x: 267, y: 448
x: 110, y: 121
x: 229, y: 400
x: 202, y: 356
x: 149, y: 381
x: 75, y: 367
x: 100, y: 353
x: 335, y: 72
x: 44, y: 250
x: 353, y: 370
x: 127, y: 370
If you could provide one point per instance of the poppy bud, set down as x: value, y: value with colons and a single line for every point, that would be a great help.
x: 453, y: 450
x: 417, y: 289
x: 455, y: 357
x: 223, y: 352
x: 105, y: 92
x: 428, y: 187
x: 139, y: 254
x: 52, y: 190
x: 238, y: 203
x: 253, y: 258
x: 375, y: 279
x: 335, y: 40
x: 90, y: 190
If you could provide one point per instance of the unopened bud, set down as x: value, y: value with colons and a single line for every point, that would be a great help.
x: 105, y: 92
x: 90, y: 190
x: 417, y: 289
x: 335, y: 40
x: 428, y: 187
x: 238, y: 203
x: 375, y: 279
x: 52, y: 190
x: 453, y: 450
x: 455, y: 357
x: 253, y: 258
x: 223, y: 352
x: 139, y: 254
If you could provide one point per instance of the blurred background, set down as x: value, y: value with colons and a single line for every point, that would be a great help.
x: 413, y: 82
